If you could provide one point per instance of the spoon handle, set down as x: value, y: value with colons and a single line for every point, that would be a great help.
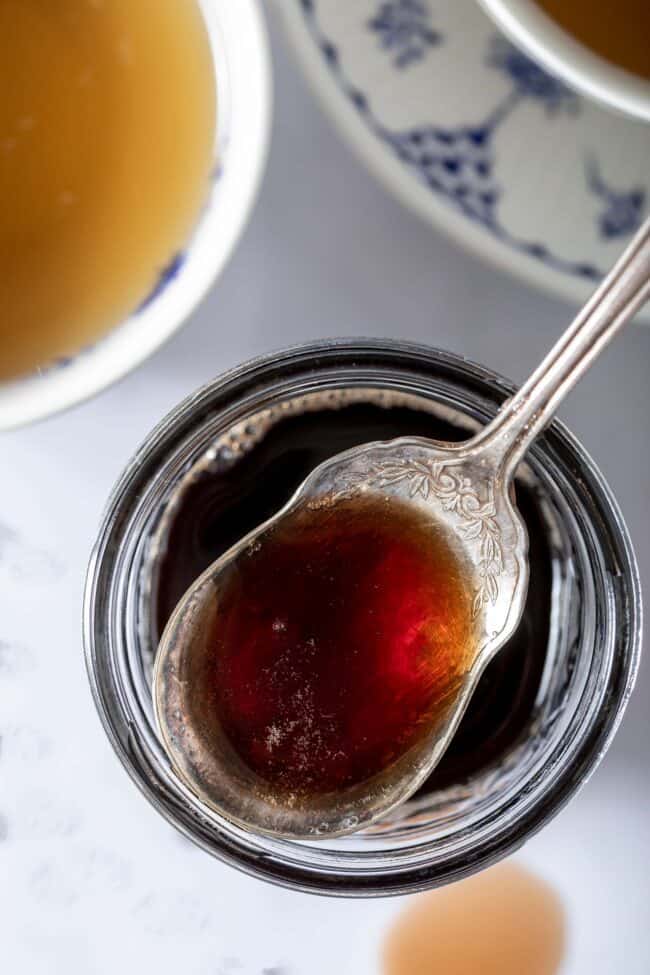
x: 619, y: 296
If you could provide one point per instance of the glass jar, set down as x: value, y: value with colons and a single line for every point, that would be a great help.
x: 591, y: 648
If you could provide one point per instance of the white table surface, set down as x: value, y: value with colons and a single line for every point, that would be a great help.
x: 93, y: 881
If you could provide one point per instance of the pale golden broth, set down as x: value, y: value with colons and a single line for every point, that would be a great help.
x: 107, y: 129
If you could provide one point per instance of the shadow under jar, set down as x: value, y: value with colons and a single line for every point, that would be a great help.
x: 547, y: 705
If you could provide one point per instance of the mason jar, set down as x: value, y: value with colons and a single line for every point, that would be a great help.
x: 547, y: 706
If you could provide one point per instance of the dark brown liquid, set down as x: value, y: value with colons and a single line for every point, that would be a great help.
x: 340, y: 640
x: 219, y: 509
x: 619, y: 32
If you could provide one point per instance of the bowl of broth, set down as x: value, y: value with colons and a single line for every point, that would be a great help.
x: 600, y: 48
x: 132, y: 142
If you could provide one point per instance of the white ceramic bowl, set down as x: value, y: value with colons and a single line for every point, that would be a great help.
x: 240, y: 48
x: 476, y: 138
x: 549, y: 44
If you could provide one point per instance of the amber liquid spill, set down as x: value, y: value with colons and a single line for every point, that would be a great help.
x: 338, y: 643
x: 505, y: 921
x: 618, y: 31
x: 107, y: 128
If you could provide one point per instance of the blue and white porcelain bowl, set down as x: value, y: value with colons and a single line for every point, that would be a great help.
x: 476, y: 137
x: 242, y: 64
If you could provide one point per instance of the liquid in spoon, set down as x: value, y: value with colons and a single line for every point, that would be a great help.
x: 335, y: 645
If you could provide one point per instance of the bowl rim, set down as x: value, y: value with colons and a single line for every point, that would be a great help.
x: 532, y: 29
x: 239, y: 37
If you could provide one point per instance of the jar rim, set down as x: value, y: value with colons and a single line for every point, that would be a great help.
x: 294, y: 866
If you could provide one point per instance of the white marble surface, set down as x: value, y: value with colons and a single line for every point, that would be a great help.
x: 93, y: 881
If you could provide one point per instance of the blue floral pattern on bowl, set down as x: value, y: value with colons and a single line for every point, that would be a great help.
x: 465, y: 151
x: 460, y: 162
x: 623, y: 210
x: 165, y: 278
x: 404, y: 28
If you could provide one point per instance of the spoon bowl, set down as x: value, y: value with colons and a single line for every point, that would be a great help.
x: 455, y: 489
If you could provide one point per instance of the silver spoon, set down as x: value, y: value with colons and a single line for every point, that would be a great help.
x: 464, y: 491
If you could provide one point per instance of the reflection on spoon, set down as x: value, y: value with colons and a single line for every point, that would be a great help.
x: 504, y: 921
